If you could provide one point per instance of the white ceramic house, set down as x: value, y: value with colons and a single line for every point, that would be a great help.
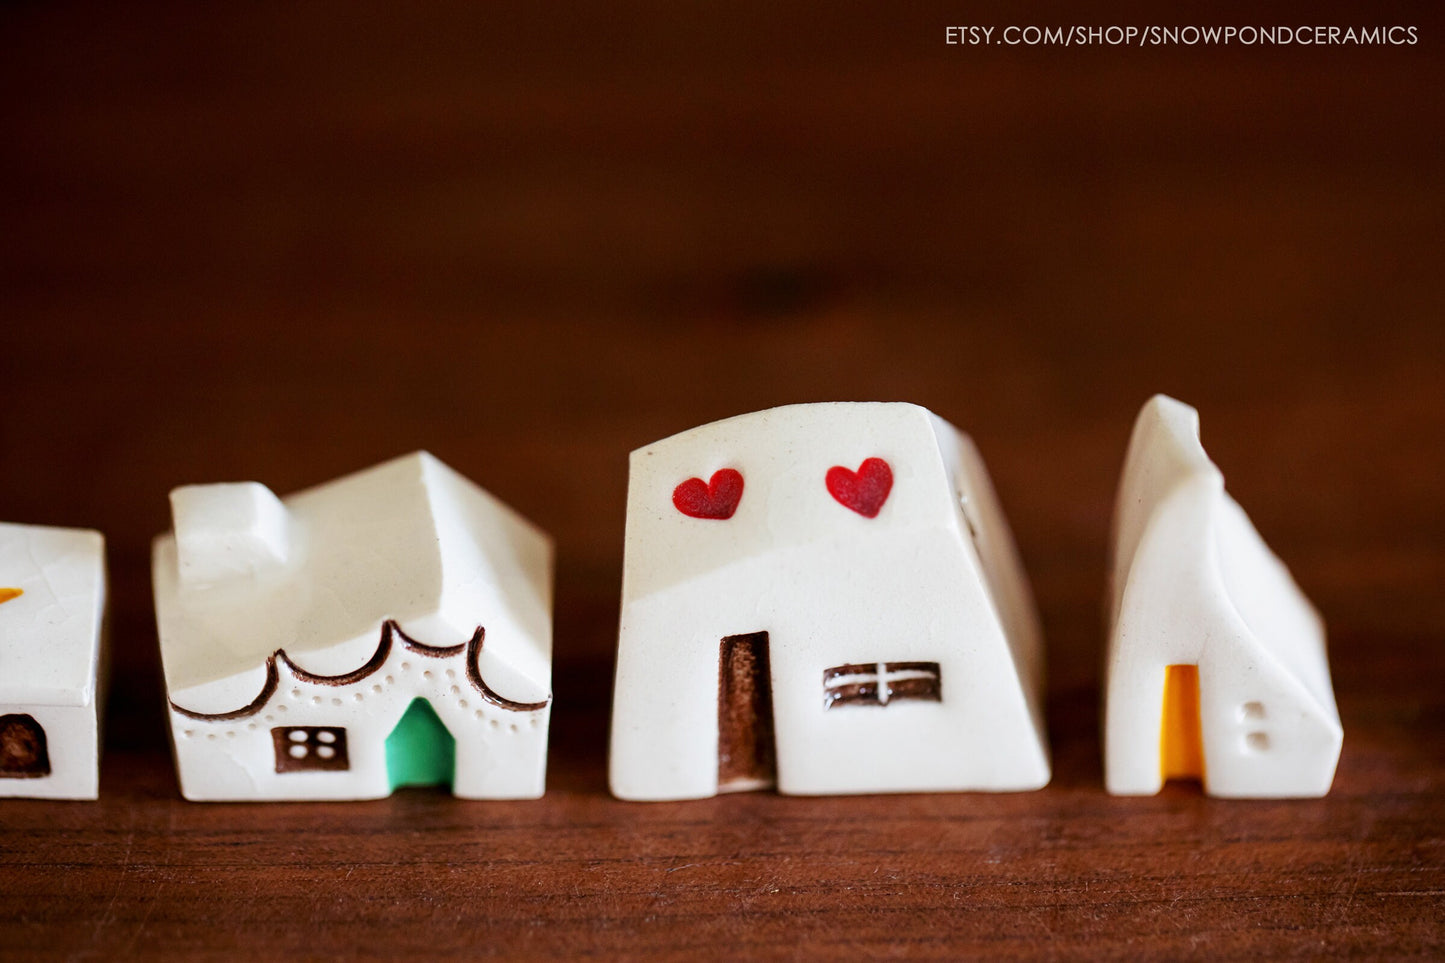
x: 390, y: 628
x: 825, y: 598
x: 52, y: 653
x: 1216, y: 666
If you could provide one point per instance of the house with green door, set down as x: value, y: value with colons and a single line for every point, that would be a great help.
x: 391, y: 628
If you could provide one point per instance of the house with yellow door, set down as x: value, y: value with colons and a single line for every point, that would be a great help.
x: 1216, y: 668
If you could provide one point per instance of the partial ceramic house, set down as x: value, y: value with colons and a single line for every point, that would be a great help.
x: 389, y: 628
x: 1217, y: 669
x: 52, y: 665
x: 825, y: 598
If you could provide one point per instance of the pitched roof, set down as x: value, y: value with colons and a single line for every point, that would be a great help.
x: 409, y: 540
x: 1166, y: 457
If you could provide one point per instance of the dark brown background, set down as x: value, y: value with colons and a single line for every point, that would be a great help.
x: 285, y: 243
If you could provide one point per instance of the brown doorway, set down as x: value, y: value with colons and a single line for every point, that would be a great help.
x: 23, y: 753
x: 1181, y: 737
x: 745, y: 752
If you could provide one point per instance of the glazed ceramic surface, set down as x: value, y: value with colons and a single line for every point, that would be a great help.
x: 824, y: 598
x: 1216, y: 666
x: 52, y: 621
x: 389, y: 628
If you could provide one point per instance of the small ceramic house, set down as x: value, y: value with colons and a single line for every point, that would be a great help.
x: 1216, y: 666
x: 389, y: 628
x: 824, y: 598
x: 52, y: 622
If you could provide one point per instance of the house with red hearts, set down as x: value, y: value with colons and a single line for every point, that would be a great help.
x: 823, y: 598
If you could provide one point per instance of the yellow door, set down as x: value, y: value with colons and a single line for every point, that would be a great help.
x: 1181, y: 739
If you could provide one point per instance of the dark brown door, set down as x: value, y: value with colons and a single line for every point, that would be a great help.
x: 23, y: 754
x: 745, y: 753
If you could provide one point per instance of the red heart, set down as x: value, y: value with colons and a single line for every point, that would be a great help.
x: 865, y: 490
x: 716, y: 499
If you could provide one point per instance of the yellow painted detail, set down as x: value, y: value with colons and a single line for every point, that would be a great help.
x: 1181, y: 739
x: 6, y: 594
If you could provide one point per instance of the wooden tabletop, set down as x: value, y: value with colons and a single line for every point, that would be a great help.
x: 283, y: 243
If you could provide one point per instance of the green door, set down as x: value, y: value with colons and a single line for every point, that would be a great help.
x: 420, y: 751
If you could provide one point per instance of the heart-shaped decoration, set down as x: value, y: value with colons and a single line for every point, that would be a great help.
x: 717, y: 498
x: 864, y: 490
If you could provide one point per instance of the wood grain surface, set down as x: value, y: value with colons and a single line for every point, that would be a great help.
x: 285, y: 242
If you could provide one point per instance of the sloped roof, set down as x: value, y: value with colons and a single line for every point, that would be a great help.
x: 1165, y: 456
x: 409, y: 540
x: 50, y: 633
x: 784, y: 455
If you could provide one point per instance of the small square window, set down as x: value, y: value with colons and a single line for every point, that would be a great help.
x: 310, y: 749
x: 880, y: 683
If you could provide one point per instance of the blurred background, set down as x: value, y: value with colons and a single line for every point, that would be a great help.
x: 285, y: 242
